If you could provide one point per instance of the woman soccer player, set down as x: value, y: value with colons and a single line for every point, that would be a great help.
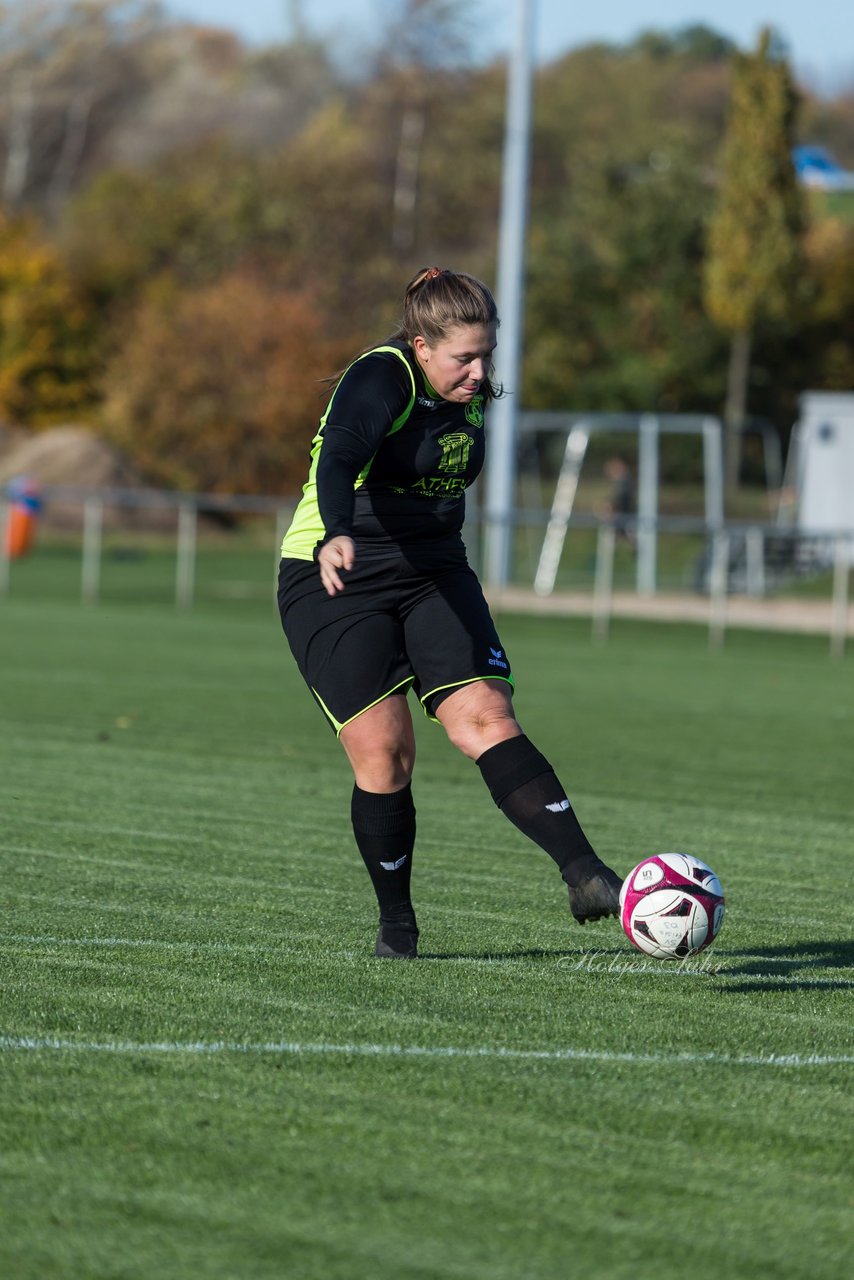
x: 376, y: 597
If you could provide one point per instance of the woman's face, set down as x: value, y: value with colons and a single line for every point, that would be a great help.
x: 458, y: 366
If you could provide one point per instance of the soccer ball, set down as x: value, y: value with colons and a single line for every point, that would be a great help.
x: 671, y: 906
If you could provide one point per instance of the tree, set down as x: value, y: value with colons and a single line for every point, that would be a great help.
x: 424, y: 41
x: 74, y: 70
x: 192, y: 214
x: 754, y: 267
x: 220, y: 390
x: 830, y: 251
x: 95, y: 84
x: 619, y: 204
x: 695, y: 41
x: 616, y: 320
x: 45, y: 332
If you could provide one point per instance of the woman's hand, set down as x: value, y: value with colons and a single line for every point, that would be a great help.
x: 337, y: 553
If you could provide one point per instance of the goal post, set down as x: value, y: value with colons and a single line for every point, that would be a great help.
x: 649, y: 429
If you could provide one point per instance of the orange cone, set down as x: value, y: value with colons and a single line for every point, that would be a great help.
x: 20, y: 531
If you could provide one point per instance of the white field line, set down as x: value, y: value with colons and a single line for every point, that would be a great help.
x: 36, y: 1044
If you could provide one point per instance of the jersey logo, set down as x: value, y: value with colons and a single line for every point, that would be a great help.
x: 474, y: 411
x: 456, y: 448
x: 440, y: 486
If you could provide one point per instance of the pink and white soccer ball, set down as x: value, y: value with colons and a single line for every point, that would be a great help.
x: 671, y: 906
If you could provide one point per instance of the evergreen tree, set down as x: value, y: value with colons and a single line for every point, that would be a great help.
x: 754, y: 265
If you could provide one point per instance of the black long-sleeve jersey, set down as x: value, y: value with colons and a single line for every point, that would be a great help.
x: 391, y: 461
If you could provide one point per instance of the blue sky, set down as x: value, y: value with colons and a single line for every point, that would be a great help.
x: 820, y: 34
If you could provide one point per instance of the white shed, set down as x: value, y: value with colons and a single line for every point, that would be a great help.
x: 825, y: 447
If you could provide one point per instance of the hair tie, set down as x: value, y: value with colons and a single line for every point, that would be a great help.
x: 433, y: 272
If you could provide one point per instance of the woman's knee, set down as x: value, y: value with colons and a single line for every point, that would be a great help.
x: 477, y: 717
x: 380, y: 745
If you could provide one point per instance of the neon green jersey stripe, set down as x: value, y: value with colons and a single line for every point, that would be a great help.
x: 306, y: 528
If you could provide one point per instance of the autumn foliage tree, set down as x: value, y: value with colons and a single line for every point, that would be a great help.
x: 194, y: 190
x: 220, y: 390
x: 45, y: 332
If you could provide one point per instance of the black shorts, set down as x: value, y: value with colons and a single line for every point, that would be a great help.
x: 392, y: 628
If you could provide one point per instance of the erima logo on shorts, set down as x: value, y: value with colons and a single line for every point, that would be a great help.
x: 497, y: 659
x: 558, y: 806
x: 394, y: 866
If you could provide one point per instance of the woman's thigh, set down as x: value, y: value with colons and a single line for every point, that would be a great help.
x: 350, y: 648
x: 451, y: 639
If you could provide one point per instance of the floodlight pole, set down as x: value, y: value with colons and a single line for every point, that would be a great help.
x: 501, y: 456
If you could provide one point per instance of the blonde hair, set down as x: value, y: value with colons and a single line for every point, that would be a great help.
x: 437, y: 301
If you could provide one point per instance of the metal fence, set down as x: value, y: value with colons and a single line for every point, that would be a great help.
x: 722, y: 564
x: 185, y: 511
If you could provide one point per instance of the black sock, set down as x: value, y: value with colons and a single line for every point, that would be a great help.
x: 524, y: 786
x: 384, y: 827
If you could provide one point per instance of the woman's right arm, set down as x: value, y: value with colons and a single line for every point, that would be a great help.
x: 371, y: 395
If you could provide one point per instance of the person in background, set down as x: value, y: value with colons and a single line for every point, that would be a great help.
x: 621, y: 505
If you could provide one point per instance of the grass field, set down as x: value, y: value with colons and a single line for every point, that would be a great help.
x: 205, y: 1074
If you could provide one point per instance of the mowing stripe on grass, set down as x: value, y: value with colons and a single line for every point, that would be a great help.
x: 11, y: 1044
x: 162, y: 944
x: 706, y: 965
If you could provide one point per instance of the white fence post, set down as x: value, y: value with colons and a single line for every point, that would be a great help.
x: 718, y: 583
x: 603, y: 586
x: 647, y: 534
x: 185, y: 569
x: 754, y: 562
x: 93, y: 523
x: 839, y: 611
x: 713, y: 470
